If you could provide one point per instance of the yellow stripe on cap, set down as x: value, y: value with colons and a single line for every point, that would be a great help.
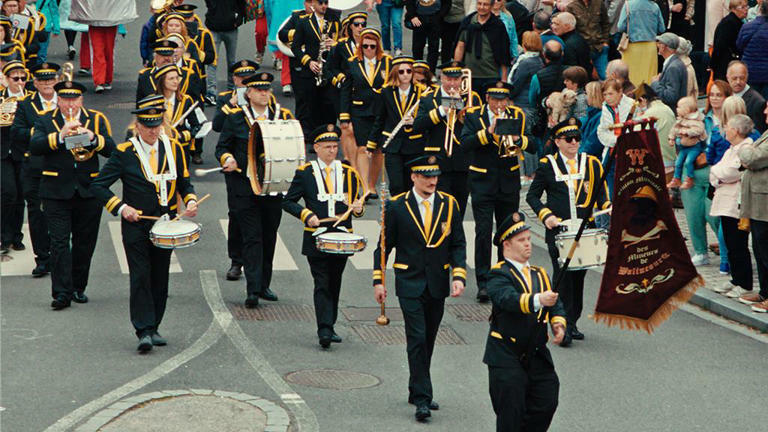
x: 70, y: 92
x: 325, y: 135
x: 497, y: 90
x: 418, y: 168
x: 566, y: 129
x: 511, y: 230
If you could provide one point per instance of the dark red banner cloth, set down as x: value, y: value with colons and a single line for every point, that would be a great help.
x: 648, y: 272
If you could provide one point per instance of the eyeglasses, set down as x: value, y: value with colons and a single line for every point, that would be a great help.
x: 405, y: 71
x: 359, y: 23
x: 570, y: 140
x: 369, y: 46
x: 18, y: 78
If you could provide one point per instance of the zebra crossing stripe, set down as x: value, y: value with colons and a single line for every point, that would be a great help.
x: 117, y: 242
x: 469, y: 234
x: 283, y: 259
x: 19, y: 263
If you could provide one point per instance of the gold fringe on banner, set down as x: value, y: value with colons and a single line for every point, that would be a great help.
x: 662, y: 313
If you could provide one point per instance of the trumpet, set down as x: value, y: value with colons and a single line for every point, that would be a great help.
x: 465, y: 88
x: 67, y: 71
x: 81, y: 154
x: 507, y: 146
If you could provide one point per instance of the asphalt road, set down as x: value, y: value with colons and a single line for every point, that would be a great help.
x: 60, y: 368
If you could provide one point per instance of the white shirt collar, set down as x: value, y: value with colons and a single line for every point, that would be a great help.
x: 419, y: 199
x: 264, y: 113
x: 565, y: 158
x: 18, y: 95
x: 404, y: 92
x: 322, y: 164
x: 666, y: 62
x: 147, y: 147
x: 180, y: 63
x: 54, y: 99
x: 518, y: 265
x: 741, y: 93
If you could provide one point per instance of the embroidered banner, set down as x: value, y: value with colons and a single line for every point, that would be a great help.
x: 648, y: 273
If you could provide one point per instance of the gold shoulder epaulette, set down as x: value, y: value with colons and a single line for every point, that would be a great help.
x: 445, y: 194
x: 303, y: 167
x: 474, y: 109
x: 398, y: 196
x: 226, y: 92
x: 544, y: 160
x: 124, y: 146
x: 497, y: 265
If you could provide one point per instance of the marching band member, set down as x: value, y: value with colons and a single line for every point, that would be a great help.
x: 10, y: 48
x: 152, y: 168
x: 173, y: 23
x: 328, y: 188
x: 522, y: 381
x: 202, y: 37
x: 285, y: 35
x: 30, y: 37
x: 168, y: 80
x: 12, y: 192
x: 425, y: 227
x: 163, y: 55
x: 570, y: 179
x: 156, y: 101
x: 394, y: 104
x: 70, y: 208
x: 422, y: 75
x: 28, y: 110
x: 314, y: 35
x: 494, y: 175
x: 258, y: 216
x: 366, y: 73
x: 433, y: 119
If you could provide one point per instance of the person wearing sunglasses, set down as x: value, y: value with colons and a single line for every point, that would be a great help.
x: 423, y: 75
x: 335, y: 71
x: 396, y: 103
x: 15, y: 75
x: 587, y: 171
x: 366, y: 74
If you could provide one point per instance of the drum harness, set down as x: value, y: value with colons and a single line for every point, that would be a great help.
x: 338, y: 195
x: 574, y: 220
x: 160, y: 180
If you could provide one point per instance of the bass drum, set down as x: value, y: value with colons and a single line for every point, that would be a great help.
x: 282, y: 46
x: 343, y: 4
x: 275, y: 150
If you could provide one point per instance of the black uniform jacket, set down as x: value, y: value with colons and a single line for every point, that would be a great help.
x: 207, y: 49
x: 222, y: 100
x: 306, y: 39
x: 7, y: 145
x: 433, y: 126
x: 489, y: 174
x: 423, y: 260
x: 288, y: 31
x: 179, y: 108
x: 62, y: 175
x: 358, y: 91
x: 233, y: 142
x: 389, y: 112
x: 304, y: 186
x: 28, y: 111
x: 138, y: 191
x: 513, y: 318
x: 558, y: 204
x: 335, y: 68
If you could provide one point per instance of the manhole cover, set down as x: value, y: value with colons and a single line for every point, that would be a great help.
x: 395, y: 335
x: 371, y: 313
x: 332, y: 379
x: 274, y: 313
x: 191, y: 414
x: 470, y: 312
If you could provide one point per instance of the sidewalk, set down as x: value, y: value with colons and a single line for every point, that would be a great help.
x: 706, y: 298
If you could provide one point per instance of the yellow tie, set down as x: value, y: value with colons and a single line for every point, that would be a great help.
x: 572, y: 170
x: 371, y: 66
x: 403, y: 97
x: 261, y: 117
x: 427, y: 217
x: 328, y: 182
x: 48, y: 105
x: 153, y: 160
x: 169, y: 111
x: 527, y: 274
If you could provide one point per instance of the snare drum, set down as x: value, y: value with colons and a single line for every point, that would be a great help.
x: 282, y: 144
x: 174, y: 234
x: 340, y: 243
x: 591, y: 252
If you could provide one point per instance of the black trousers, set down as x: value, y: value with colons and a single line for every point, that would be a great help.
x: 38, y: 226
x: 484, y: 211
x: 739, y: 257
x: 198, y: 151
x: 234, y: 241
x: 448, y: 33
x: 74, y: 228
x: 259, y: 219
x: 428, y: 32
x: 326, y: 273
x: 398, y: 174
x: 524, y: 400
x: 571, y: 289
x: 759, y: 231
x: 456, y: 184
x: 422, y: 317
x: 314, y: 105
x: 148, y: 266
x: 12, y: 197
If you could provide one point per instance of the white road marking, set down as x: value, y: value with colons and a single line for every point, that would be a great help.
x: 117, y: 242
x: 469, y: 234
x: 283, y: 259
x: 20, y: 263
x: 370, y: 230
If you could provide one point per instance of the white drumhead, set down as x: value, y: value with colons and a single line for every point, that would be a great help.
x: 174, y: 227
x: 340, y: 236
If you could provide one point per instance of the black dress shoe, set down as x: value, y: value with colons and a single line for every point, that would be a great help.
x: 567, y: 340
x: 79, y: 297
x: 145, y: 344
x: 158, y: 340
x: 61, y: 302
x: 252, y: 301
x: 325, y: 340
x: 482, y: 295
x: 40, y: 270
x: 422, y: 413
x: 197, y: 160
x: 433, y: 406
x: 268, y: 295
x: 234, y: 272
x: 335, y: 338
x: 18, y: 246
x: 372, y: 196
x: 5, y: 248
x: 576, y: 334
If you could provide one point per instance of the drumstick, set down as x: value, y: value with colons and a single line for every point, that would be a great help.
x: 349, y: 210
x: 178, y: 216
x: 602, y: 212
x: 149, y: 217
x: 200, y: 172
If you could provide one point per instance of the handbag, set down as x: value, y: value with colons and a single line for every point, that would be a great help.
x: 624, y: 41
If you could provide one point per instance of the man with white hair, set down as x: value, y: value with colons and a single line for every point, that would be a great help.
x: 618, y: 70
x: 575, y: 48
